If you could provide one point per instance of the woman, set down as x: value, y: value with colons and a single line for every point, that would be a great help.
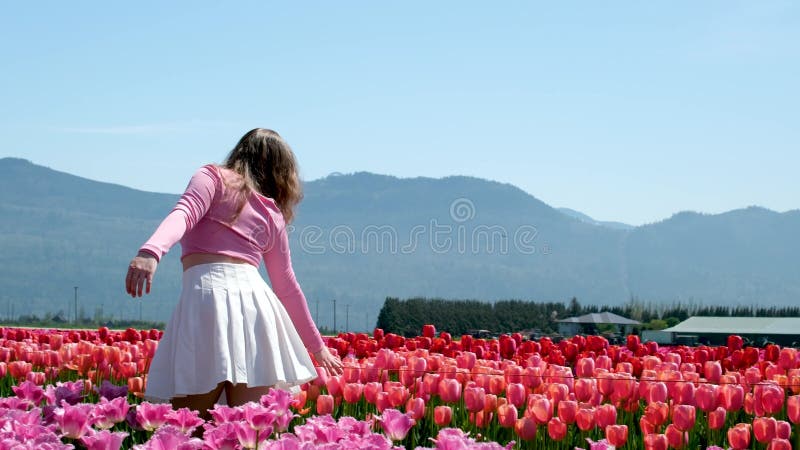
x: 230, y: 333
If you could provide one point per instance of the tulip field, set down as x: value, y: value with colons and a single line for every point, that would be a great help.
x: 84, y: 389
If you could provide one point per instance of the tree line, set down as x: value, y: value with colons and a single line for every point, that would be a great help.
x: 406, y: 316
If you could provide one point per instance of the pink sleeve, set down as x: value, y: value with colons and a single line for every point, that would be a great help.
x: 191, y: 207
x: 278, y: 262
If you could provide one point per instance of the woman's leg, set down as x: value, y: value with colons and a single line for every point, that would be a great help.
x: 239, y: 394
x: 200, y: 402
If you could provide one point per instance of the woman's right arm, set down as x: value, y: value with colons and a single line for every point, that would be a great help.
x: 191, y: 207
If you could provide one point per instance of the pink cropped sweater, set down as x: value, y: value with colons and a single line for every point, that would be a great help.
x: 201, y: 219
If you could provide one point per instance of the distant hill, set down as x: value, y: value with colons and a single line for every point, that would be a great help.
x: 361, y: 237
x: 583, y: 217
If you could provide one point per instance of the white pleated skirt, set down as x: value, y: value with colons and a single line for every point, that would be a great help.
x: 228, y: 326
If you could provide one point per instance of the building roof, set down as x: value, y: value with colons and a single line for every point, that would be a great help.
x: 738, y: 325
x: 603, y: 317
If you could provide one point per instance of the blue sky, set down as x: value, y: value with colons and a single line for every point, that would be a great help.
x: 625, y: 111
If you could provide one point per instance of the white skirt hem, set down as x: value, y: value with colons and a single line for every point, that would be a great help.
x: 227, y: 326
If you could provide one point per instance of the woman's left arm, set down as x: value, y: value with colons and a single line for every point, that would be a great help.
x: 278, y: 262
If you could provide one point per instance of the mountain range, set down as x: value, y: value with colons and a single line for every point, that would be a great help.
x: 361, y: 237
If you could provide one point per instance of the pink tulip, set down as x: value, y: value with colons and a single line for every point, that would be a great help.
x: 334, y: 386
x: 352, y: 392
x: 107, y: 413
x: 765, y: 429
x: 712, y: 371
x: 474, y: 399
x: 525, y: 428
x: 739, y: 436
x: 152, y: 415
x: 780, y: 444
x: 567, y: 410
x: 732, y: 397
x: 415, y: 407
x: 605, y: 415
x: 584, y: 418
x: 324, y: 404
x: 657, y: 392
x: 507, y: 415
x: 256, y: 416
x: 104, y: 440
x: 556, y: 429
x: 783, y: 430
x: 395, y: 424
x: 585, y: 388
x: 442, y: 415
x: 30, y: 392
x: 73, y: 421
x: 706, y: 397
x: 541, y: 408
x: 716, y: 418
x: 450, y: 390
x: 683, y: 393
x: 676, y: 438
x: 683, y: 417
x: 516, y: 394
x: 655, y: 442
x: 772, y: 398
x: 617, y: 435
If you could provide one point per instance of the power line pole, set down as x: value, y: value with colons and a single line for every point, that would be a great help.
x: 346, y: 318
x: 334, y: 316
x: 141, y: 301
x: 76, y: 305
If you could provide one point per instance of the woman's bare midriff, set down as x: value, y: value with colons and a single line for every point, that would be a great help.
x: 205, y: 258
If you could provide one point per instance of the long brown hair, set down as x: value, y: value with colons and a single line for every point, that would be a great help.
x: 267, y: 165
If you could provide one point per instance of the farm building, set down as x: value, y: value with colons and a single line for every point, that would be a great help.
x: 588, y: 323
x: 758, y: 330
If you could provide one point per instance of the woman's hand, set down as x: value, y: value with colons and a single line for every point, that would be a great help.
x: 332, y: 364
x: 140, y: 271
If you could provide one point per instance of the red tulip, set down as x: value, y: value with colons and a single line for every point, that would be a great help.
x: 584, y: 418
x: 657, y: 392
x: 429, y: 331
x: 526, y: 428
x: 507, y: 415
x: 676, y: 438
x: 556, y: 429
x: 656, y: 413
x: 442, y: 415
x: 655, y: 442
x: 474, y: 399
x: 541, y: 408
x: 584, y: 368
x: 772, y: 397
x: 683, y: 416
x: 605, y: 415
x: 739, y: 436
x: 765, y: 429
x: 450, y: 390
x: 584, y: 389
x: 352, y: 392
x: 617, y: 435
x: 415, y: 408
x: 793, y: 408
x: 324, y: 404
x: 707, y: 397
x: 716, y: 418
x: 780, y: 444
x: 516, y: 394
x: 783, y: 430
x: 683, y: 393
x: 732, y: 397
x: 567, y: 410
